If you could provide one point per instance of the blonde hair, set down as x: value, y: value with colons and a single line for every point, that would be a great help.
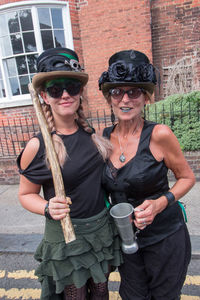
x: 57, y: 141
x: 103, y: 145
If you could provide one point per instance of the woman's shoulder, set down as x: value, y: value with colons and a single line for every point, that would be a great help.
x: 30, y: 151
x: 161, y: 132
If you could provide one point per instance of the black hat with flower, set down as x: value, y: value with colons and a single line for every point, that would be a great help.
x: 128, y: 68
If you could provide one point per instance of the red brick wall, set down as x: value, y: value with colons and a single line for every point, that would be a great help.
x: 175, y: 35
x: 107, y: 27
x: 169, y: 29
x: 9, y: 171
x: 17, y: 126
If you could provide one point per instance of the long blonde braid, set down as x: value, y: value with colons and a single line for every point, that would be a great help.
x: 103, y: 145
x: 57, y: 141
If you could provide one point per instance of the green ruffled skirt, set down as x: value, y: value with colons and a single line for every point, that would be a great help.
x: 97, y: 246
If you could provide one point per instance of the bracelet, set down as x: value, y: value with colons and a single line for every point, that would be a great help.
x: 46, y: 212
x: 170, y: 198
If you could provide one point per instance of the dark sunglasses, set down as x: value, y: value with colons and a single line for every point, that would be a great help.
x: 56, y: 90
x: 133, y: 93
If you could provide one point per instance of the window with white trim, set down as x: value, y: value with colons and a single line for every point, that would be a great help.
x: 25, y: 31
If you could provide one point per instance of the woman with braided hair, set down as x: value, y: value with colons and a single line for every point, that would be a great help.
x: 78, y: 270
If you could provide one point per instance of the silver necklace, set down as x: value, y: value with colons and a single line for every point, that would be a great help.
x: 122, y: 157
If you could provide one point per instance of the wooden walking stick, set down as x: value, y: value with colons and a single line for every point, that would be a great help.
x: 66, y: 224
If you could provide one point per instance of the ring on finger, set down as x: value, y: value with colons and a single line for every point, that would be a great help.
x: 143, y: 222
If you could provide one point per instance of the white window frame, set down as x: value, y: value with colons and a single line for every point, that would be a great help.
x: 24, y: 100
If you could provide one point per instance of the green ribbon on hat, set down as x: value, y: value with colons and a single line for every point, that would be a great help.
x: 68, y: 56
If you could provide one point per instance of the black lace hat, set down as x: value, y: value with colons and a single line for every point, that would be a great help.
x: 58, y: 63
x: 128, y: 68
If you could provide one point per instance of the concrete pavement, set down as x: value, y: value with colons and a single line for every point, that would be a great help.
x: 21, y: 231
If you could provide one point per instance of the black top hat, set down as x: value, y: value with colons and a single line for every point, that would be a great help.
x: 58, y: 63
x: 128, y: 68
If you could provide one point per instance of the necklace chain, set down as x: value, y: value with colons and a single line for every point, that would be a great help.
x: 122, y: 157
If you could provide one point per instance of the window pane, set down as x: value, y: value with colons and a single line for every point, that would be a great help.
x: 59, y: 38
x: 29, y: 42
x: 57, y: 18
x: 14, y: 86
x: 21, y: 65
x: 13, y: 22
x: 16, y: 43
x: 24, y: 81
x: 32, y: 63
x: 44, y: 18
x: 26, y: 20
x: 6, y: 46
x: 47, y: 39
x: 3, y: 26
x: 11, y: 67
x: 2, y: 89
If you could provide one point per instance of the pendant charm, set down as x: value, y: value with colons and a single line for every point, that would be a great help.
x: 122, y: 158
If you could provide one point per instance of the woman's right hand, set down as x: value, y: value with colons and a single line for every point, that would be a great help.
x: 59, y: 207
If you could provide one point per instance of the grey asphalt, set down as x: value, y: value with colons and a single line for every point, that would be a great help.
x: 21, y: 230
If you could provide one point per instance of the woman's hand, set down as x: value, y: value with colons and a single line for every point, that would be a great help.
x: 59, y: 207
x: 146, y: 212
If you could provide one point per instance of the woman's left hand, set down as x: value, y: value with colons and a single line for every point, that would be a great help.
x: 146, y: 212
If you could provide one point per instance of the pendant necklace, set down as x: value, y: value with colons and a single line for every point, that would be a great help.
x: 122, y: 157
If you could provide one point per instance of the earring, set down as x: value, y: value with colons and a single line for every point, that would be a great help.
x: 81, y: 100
x: 144, y: 112
x: 112, y: 116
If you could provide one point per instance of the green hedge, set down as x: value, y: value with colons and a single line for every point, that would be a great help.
x: 182, y: 114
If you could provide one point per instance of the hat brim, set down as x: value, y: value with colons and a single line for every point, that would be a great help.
x: 148, y: 86
x: 40, y: 78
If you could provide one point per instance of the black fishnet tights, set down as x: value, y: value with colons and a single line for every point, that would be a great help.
x: 72, y: 293
x: 90, y: 291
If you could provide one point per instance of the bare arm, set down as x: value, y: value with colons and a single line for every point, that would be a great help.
x: 29, y: 192
x: 164, y: 145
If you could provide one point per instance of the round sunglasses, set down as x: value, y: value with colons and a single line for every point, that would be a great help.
x: 56, y: 90
x: 133, y: 93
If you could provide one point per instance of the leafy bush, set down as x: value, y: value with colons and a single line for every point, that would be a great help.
x: 182, y: 114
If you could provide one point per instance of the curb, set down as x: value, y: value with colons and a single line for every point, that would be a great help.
x: 27, y: 243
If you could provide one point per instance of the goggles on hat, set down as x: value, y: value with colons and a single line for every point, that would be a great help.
x: 55, y: 88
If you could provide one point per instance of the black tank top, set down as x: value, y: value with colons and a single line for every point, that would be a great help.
x: 81, y: 174
x: 143, y: 177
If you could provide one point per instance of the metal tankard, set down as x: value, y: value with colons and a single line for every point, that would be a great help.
x: 121, y: 214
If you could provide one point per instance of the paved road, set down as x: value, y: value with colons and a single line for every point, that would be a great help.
x: 17, y: 280
x: 20, y: 229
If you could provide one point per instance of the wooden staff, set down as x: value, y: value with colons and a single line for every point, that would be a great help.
x: 66, y: 224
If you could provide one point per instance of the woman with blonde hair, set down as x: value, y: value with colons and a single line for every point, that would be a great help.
x: 136, y: 172
x: 79, y: 269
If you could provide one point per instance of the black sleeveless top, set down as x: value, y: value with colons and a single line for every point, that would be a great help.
x: 81, y: 174
x: 143, y: 177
